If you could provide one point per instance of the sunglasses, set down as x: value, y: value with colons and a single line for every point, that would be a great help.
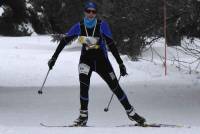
x: 90, y: 11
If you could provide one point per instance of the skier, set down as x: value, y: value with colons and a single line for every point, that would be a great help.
x: 95, y: 34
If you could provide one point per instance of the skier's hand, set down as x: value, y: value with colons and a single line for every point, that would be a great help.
x: 51, y: 63
x: 123, y: 70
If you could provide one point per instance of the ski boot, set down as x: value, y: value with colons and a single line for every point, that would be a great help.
x: 81, y: 121
x: 132, y: 115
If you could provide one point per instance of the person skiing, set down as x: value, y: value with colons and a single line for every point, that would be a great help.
x: 95, y: 34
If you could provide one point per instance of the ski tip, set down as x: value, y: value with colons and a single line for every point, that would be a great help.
x: 45, y: 125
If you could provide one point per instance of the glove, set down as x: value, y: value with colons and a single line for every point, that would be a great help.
x: 51, y: 63
x: 122, y: 70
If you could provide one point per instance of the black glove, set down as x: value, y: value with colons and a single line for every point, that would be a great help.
x: 51, y: 63
x: 123, y: 70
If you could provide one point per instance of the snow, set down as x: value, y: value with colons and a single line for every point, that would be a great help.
x: 1, y: 11
x: 171, y: 99
x: 27, y: 26
x: 29, y: 5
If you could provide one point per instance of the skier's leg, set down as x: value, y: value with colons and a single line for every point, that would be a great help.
x: 108, y: 75
x: 84, y: 78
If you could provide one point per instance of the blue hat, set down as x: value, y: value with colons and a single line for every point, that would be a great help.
x: 90, y: 5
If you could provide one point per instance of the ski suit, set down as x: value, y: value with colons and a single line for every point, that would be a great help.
x: 95, y: 60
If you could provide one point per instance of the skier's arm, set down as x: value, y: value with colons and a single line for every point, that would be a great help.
x: 64, y: 41
x: 60, y: 47
x: 107, y: 36
x: 73, y: 32
x: 111, y: 45
x: 70, y: 35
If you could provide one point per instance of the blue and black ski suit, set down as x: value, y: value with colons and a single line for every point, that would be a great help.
x: 95, y: 60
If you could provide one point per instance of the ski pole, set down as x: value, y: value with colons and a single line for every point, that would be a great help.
x: 107, y: 108
x: 40, y: 90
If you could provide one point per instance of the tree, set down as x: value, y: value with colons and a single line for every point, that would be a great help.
x: 132, y: 22
x: 63, y: 14
x: 13, y: 17
x: 135, y: 23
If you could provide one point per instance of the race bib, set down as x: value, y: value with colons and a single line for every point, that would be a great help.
x: 84, y: 69
x: 88, y: 40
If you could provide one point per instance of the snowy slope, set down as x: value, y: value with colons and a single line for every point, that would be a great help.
x: 172, y: 99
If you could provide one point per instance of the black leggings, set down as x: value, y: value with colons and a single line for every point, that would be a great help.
x: 103, y: 67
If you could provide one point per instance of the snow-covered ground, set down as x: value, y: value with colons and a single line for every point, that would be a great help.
x: 1, y: 11
x: 171, y: 99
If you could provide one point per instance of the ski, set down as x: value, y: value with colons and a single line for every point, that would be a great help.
x: 158, y: 125
x: 46, y: 125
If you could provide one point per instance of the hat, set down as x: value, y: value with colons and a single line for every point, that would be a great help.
x: 90, y: 5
